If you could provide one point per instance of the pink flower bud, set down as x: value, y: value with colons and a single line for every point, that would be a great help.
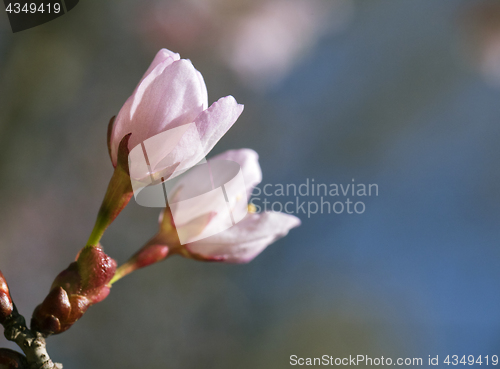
x: 172, y: 93
x: 6, y: 305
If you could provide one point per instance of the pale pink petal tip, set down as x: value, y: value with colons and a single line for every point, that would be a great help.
x: 247, y: 239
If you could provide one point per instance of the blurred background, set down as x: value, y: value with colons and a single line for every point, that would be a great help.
x: 401, y: 93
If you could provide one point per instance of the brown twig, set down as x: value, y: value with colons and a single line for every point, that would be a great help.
x: 31, y: 342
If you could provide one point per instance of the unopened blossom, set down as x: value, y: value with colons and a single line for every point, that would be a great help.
x: 168, y: 117
x: 171, y: 95
x: 84, y: 283
x: 238, y: 244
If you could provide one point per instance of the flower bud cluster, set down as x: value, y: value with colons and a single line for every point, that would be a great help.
x: 84, y: 283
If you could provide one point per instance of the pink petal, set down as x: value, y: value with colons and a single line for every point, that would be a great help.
x: 249, y: 162
x: 169, y: 96
x: 204, y: 91
x: 196, y: 178
x: 244, y: 241
x: 161, y: 56
x: 211, y: 125
x: 214, y: 191
x: 214, y: 122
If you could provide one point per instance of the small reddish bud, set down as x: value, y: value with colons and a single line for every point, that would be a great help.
x: 6, y: 305
x: 10, y: 359
x: 98, y: 294
x: 69, y: 279
x: 82, y: 284
x: 150, y: 254
x: 47, y: 324
x: 55, y: 309
x: 96, y: 270
x: 79, y: 305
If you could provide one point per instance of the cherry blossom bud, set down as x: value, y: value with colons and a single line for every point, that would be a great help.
x: 6, y: 305
x: 150, y: 254
x: 53, y: 313
x: 172, y: 93
x: 96, y: 270
x: 84, y: 283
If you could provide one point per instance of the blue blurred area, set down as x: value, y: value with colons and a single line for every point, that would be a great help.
x: 389, y: 100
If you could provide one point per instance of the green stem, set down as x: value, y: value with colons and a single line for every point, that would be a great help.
x: 124, y: 270
x: 117, y: 197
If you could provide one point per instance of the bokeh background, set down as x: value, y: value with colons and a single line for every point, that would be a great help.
x: 401, y: 93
